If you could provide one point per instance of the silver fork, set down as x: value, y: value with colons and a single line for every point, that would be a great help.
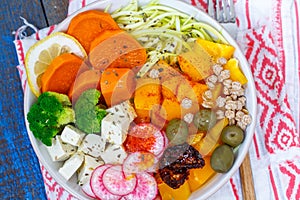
x: 223, y: 12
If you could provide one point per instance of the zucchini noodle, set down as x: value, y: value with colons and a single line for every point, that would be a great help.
x: 164, y: 31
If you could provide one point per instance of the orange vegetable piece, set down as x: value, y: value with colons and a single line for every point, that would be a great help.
x: 168, y: 193
x: 216, y: 50
x: 61, y: 73
x: 87, y: 25
x: 86, y: 80
x: 117, y: 85
x: 211, y: 139
x: 200, y: 175
x: 199, y: 90
x: 170, y: 86
x: 156, y: 117
x: 116, y: 49
x: 166, y: 72
x: 196, y: 64
x: 147, y: 95
x: 235, y: 72
x: 171, y: 109
x: 104, y: 35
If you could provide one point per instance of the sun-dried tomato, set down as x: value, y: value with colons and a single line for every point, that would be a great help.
x: 175, y: 164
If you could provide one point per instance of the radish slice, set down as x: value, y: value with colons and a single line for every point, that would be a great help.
x: 138, y: 162
x: 158, y: 148
x: 145, y: 137
x: 146, y: 188
x: 116, y: 182
x: 86, y: 188
x: 97, y: 185
x: 166, y: 143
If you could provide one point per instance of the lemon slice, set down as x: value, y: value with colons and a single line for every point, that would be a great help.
x: 41, y: 54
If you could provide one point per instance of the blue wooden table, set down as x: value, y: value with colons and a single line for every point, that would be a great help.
x: 20, y: 176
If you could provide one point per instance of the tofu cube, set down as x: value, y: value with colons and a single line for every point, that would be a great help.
x: 72, y: 135
x: 71, y: 165
x: 124, y: 109
x: 114, y: 128
x: 114, y: 154
x: 85, y: 171
x: 60, y: 151
x: 93, y: 145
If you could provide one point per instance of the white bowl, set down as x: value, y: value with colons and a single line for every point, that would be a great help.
x: 215, y: 182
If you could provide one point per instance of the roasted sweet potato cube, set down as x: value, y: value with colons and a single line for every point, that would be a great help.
x: 196, y: 64
x: 165, y: 71
x: 169, y: 87
x: 170, y: 109
x: 147, y: 94
x: 185, y: 91
x: 199, y: 89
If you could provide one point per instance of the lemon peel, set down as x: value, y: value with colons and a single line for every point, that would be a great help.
x: 41, y: 54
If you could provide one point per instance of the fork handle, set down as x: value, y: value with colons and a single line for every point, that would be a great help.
x: 247, y: 179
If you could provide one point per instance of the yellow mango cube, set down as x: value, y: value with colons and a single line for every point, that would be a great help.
x: 171, y: 109
x: 216, y: 50
x: 235, y: 72
x: 211, y: 140
x: 200, y: 176
x: 196, y: 63
x: 168, y: 193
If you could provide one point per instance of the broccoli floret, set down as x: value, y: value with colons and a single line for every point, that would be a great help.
x: 88, y: 114
x: 48, y: 115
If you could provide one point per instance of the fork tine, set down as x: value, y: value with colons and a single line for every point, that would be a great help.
x: 222, y: 10
x: 226, y: 12
x: 211, y: 9
x: 232, y: 11
x: 219, y: 11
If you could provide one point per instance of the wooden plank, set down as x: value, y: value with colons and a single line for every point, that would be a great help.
x: 55, y: 10
x: 20, y: 176
x: 11, y: 10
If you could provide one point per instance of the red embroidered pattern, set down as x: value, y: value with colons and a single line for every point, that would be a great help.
x: 275, y: 118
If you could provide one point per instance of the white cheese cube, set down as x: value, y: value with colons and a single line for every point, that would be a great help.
x: 60, y: 151
x: 85, y: 171
x: 124, y: 109
x: 72, y: 135
x: 71, y: 165
x: 92, y: 145
x: 114, y: 128
x: 114, y: 154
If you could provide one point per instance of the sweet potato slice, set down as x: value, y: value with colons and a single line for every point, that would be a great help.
x: 61, y: 73
x: 87, y: 25
x: 117, y: 49
x: 87, y: 80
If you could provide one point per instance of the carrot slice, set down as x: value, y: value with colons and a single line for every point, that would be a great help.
x: 117, y: 85
x: 86, y: 80
x: 116, y: 49
x: 87, y: 25
x: 61, y: 73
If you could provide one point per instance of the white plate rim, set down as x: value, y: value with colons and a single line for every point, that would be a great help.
x: 206, y: 190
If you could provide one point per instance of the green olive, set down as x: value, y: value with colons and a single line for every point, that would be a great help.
x: 222, y: 158
x: 205, y: 119
x: 177, y: 131
x: 232, y: 135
